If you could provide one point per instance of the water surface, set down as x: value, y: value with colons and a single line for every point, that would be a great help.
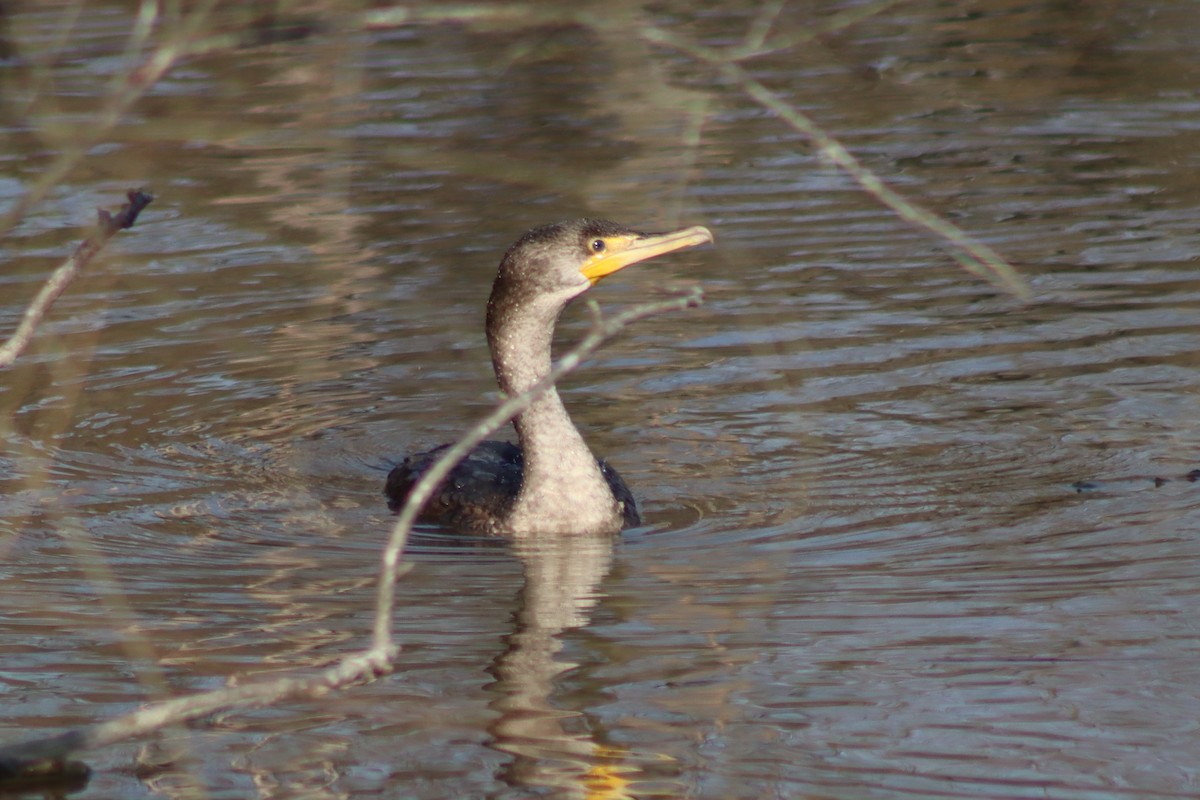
x: 867, y: 569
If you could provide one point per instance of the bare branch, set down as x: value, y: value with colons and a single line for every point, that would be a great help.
x: 47, y: 759
x: 601, y: 331
x: 106, y: 227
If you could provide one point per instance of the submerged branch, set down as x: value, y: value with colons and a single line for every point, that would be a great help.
x: 48, y: 759
x: 106, y: 227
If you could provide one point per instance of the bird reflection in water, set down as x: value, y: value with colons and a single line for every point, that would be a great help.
x: 553, y: 747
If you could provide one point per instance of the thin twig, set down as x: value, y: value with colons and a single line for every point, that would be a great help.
x: 760, y: 42
x: 48, y: 758
x: 106, y: 227
x: 127, y: 89
x: 760, y: 28
x: 975, y: 256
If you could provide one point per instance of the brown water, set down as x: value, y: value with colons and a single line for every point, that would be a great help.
x: 865, y: 571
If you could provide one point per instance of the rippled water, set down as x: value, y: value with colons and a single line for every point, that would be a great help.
x: 903, y: 534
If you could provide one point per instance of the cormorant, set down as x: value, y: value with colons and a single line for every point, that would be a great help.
x: 550, y: 483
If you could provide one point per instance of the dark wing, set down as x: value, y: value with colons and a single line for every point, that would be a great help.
x: 625, y: 497
x: 476, y: 495
x: 481, y: 489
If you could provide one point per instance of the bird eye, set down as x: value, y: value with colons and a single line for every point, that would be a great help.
x: 598, y: 245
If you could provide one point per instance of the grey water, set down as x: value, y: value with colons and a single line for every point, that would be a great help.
x: 906, y: 536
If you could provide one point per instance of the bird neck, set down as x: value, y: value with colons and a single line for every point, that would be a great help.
x: 520, y: 343
x: 562, y: 486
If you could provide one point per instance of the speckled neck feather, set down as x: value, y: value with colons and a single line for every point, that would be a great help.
x: 563, y: 489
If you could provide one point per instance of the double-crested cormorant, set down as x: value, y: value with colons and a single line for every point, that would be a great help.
x: 551, y: 482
